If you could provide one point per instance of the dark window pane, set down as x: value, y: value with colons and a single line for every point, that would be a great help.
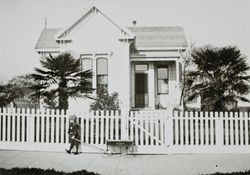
x: 141, y: 83
x: 102, y: 79
x: 102, y: 87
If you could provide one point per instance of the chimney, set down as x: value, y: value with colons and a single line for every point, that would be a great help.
x: 134, y: 22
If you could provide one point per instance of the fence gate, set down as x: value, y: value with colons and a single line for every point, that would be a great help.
x: 150, y: 131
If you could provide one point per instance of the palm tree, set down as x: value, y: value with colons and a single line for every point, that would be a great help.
x: 60, y: 78
x: 220, y: 77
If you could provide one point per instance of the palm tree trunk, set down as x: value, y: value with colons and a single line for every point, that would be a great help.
x: 63, y: 95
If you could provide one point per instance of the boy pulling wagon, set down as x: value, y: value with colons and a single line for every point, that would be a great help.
x: 74, y: 134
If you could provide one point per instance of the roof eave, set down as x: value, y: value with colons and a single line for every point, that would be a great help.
x: 48, y: 49
x: 63, y: 39
x: 161, y: 48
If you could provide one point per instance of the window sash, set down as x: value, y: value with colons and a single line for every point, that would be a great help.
x: 162, y: 79
x: 162, y: 86
x: 102, y: 82
x: 102, y: 79
x: 87, y: 64
x: 102, y: 66
x: 102, y: 73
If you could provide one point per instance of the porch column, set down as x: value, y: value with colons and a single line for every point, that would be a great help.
x: 94, y: 72
x: 177, y: 72
x: 151, y: 86
x: 177, y: 83
x: 132, y: 85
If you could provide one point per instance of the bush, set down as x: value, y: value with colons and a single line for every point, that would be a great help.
x: 38, y: 171
x: 234, y: 173
x: 105, y: 101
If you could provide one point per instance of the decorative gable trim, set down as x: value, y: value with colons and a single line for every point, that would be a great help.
x: 64, y: 33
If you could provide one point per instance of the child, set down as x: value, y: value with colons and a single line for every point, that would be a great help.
x: 74, y: 134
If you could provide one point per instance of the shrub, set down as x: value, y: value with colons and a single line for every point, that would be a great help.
x: 105, y: 101
x: 233, y: 173
x: 38, y: 171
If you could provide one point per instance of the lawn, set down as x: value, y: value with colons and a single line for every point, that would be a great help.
x: 38, y: 171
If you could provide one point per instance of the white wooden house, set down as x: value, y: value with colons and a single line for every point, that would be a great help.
x: 142, y: 64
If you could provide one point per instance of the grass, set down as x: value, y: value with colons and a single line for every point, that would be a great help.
x: 234, y: 173
x: 38, y: 171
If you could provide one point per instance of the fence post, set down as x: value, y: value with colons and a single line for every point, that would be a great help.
x: 30, y: 125
x: 124, y: 124
x: 219, y: 129
x: 169, y: 127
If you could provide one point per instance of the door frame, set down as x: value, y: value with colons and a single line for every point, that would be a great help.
x: 142, y: 70
x: 144, y: 95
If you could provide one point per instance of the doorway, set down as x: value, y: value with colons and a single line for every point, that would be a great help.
x: 141, y: 90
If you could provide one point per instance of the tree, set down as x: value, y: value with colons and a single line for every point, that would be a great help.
x: 186, y: 62
x: 15, y: 89
x: 6, y: 95
x: 104, y: 101
x: 60, y: 78
x: 220, y: 77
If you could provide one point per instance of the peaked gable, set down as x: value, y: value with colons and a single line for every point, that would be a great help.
x: 64, y: 33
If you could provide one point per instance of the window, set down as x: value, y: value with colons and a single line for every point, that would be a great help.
x: 141, y: 67
x: 87, y: 66
x: 162, y: 79
x: 102, y: 73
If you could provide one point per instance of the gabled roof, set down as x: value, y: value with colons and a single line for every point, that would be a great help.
x: 46, y: 39
x: 86, y: 15
x: 49, y: 37
x: 170, y: 36
x: 145, y: 37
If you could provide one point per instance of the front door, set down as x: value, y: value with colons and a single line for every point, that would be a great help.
x: 141, y: 90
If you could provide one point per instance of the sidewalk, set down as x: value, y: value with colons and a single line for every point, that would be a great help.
x: 192, y: 164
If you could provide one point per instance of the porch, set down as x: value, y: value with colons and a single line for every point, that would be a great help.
x: 155, y: 83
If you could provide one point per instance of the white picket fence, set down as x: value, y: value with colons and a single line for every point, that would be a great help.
x: 223, y: 132
x: 154, y: 132
x: 47, y: 129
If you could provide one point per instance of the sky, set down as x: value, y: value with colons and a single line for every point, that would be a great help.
x: 216, y: 22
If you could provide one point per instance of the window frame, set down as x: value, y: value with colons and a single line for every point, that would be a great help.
x: 86, y: 58
x: 164, y: 79
x: 97, y: 59
x: 92, y: 63
x: 147, y: 67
